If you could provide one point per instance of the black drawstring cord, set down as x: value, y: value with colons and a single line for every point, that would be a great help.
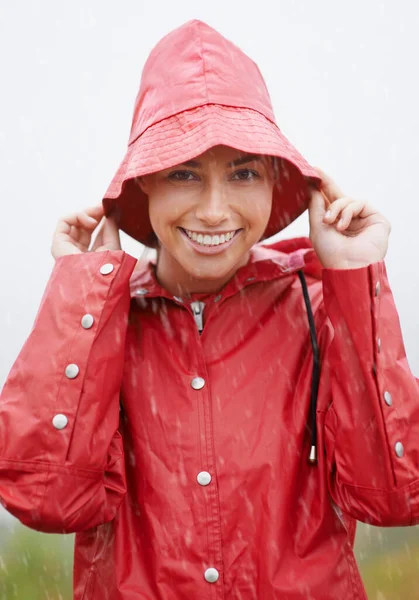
x: 316, y: 369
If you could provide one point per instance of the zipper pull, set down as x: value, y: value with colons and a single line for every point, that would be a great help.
x: 198, y: 310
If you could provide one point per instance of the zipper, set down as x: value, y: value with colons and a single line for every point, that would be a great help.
x: 198, y: 312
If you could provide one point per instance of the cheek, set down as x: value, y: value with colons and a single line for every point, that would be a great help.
x: 257, y: 209
x: 164, y: 210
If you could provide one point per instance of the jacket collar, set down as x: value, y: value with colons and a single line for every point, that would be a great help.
x: 266, y: 263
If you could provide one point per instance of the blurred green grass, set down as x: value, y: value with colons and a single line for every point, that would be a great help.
x: 36, y: 566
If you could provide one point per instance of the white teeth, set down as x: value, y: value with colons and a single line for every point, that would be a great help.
x: 208, y: 240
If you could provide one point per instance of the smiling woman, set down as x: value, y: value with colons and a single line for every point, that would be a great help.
x: 214, y: 424
x: 207, y: 214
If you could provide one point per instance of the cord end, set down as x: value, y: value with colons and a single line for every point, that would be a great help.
x: 313, y: 455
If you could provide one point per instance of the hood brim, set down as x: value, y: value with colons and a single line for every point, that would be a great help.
x: 185, y: 136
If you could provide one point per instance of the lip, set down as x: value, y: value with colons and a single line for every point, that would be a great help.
x: 209, y: 249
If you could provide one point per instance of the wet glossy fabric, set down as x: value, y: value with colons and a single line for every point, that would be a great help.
x: 123, y: 473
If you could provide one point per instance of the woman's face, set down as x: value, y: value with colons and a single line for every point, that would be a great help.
x: 208, y: 212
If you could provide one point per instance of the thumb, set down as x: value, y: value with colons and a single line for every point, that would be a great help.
x: 317, y: 208
x: 110, y: 234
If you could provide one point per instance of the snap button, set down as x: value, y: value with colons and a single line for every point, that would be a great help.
x: 217, y: 298
x: 59, y: 421
x: 250, y: 278
x: 106, y: 269
x: 377, y: 288
x: 211, y: 575
x: 72, y: 371
x: 398, y: 447
x: 197, y: 383
x: 141, y: 292
x: 177, y: 298
x: 379, y: 345
x: 387, y: 398
x: 203, y: 478
x: 87, y: 321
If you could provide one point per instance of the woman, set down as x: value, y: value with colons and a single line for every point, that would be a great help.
x: 212, y: 423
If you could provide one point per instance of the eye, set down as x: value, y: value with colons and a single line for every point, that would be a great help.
x: 182, y: 176
x: 245, y: 175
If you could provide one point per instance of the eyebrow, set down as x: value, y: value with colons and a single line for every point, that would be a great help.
x: 194, y: 164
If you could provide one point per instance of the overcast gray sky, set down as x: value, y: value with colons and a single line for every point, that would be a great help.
x: 342, y: 77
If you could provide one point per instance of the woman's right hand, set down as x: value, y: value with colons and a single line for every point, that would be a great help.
x: 74, y: 232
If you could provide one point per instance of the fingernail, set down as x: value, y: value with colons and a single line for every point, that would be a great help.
x: 327, y: 215
x: 340, y: 223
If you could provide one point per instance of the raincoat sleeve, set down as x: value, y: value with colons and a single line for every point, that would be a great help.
x: 371, y: 427
x: 61, y: 454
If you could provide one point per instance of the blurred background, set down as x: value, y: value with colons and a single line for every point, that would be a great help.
x: 343, y: 81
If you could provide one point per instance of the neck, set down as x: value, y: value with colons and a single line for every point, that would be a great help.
x: 179, y: 282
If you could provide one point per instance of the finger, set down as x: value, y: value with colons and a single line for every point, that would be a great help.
x: 335, y: 208
x: 76, y: 220
x: 96, y: 212
x: 317, y: 208
x: 111, y: 237
x: 88, y: 218
x: 329, y: 186
x: 352, y: 210
x: 97, y: 240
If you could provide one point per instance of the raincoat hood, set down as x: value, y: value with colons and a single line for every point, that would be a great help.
x: 197, y: 91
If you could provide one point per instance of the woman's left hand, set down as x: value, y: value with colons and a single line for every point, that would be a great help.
x: 345, y: 233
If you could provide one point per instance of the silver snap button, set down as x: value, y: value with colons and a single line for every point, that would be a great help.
x: 377, y: 288
x: 217, y: 298
x: 177, y: 298
x: 59, y: 421
x: 398, y: 447
x: 211, y: 575
x: 250, y: 278
x: 106, y: 269
x: 379, y: 345
x: 72, y: 371
x: 197, y: 383
x: 87, y: 321
x: 203, y: 478
x: 387, y: 398
x: 141, y: 292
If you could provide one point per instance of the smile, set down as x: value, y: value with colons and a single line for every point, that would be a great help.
x: 210, y: 240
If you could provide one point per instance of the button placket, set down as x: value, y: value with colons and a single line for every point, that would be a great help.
x: 209, y: 492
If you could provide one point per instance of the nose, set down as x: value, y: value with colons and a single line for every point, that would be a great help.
x: 212, y: 208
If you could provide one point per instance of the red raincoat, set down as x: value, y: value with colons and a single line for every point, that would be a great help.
x: 180, y: 459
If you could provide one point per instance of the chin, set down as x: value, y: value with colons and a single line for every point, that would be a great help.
x: 206, y: 274
x: 210, y: 270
